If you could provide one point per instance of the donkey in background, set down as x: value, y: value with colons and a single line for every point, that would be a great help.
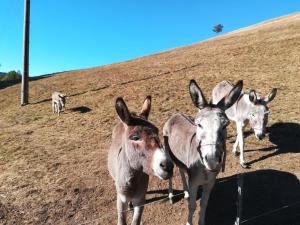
x: 135, y: 153
x: 199, y: 147
x: 250, y: 108
x: 58, y: 102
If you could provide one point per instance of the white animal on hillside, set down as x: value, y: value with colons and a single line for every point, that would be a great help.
x: 249, y: 108
x: 58, y: 102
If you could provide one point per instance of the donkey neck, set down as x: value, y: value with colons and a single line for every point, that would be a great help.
x: 128, y: 176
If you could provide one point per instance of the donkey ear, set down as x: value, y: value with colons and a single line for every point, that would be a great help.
x: 146, y: 107
x: 271, y: 95
x: 232, y: 97
x: 122, y: 110
x: 197, y: 95
x: 252, y: 97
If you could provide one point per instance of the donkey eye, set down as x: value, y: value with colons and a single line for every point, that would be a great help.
x: 134, y: 137
x: 199, y: 125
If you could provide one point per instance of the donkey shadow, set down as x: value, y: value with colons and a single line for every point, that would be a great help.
x: 81, y: 109
x: 285, y: 137
x: 270, y: 197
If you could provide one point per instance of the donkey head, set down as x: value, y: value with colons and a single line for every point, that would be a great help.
x: 142, y: 145
x: 62, y: 99
x: 211, y: 122
x: 258, y: 116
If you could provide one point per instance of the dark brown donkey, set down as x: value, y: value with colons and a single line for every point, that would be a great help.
x: 135, y: 153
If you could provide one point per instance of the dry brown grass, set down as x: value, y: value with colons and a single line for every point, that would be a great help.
x: 53, y: 169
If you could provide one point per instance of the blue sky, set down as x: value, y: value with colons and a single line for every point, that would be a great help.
x: 76, y: 34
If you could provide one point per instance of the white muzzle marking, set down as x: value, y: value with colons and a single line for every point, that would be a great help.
x: 258, y: 133
x: 158, y: 158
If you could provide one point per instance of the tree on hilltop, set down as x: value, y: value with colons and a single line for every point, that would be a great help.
x: 218, y: 28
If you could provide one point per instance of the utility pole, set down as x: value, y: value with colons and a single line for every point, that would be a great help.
x: 25, y: 75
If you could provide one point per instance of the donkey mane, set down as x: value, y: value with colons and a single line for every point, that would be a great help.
x: 189, y: 119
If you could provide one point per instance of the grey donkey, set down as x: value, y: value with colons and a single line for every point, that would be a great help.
x: 135, y: 153
x: 58, y: 102
x: 250, y: 108
x: 198, y: 147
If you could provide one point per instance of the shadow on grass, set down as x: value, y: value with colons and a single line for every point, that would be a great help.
x: 38, y: 102
x: 270, y: 197
x: 264, y: 191
x: 285, y: 137
x: 81, y: 109
x: 165, y: 192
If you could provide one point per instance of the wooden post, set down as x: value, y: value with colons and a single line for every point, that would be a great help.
x: 239, y: 201
x: 25, y: 75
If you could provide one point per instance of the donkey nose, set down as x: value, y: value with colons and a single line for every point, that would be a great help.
x: 260, y: 136
x: 167, y: 166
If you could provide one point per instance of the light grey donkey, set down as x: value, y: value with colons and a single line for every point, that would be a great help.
x: 135, y: 153
x: 250, y: 108
x: 58, y: 102
x: 198, y: 147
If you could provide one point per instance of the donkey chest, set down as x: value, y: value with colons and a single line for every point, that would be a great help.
x: 130, y: 184
x: 201, y: 176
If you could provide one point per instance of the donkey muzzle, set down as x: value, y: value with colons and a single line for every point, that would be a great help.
x: 162, y: 165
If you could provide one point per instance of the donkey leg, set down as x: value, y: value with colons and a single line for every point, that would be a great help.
x: 192, y: 202
x: 138, y: 210
x: 122, y: 205
x: 170, y: 191
x: 234, y: 149
x: 204, y: 201
x: 53, y: 107
x: 185, y: 186
x: 240, y: 138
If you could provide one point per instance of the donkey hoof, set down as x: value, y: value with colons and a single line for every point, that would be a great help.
x: 245, y: 165
x: 186, y: 194
x: 130, y: 205
x: 171, y: 198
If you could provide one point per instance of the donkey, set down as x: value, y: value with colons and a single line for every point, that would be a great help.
x: 249, y: 108
x: 58, y: 102
x: 199, y: 147
x: 135, y: 153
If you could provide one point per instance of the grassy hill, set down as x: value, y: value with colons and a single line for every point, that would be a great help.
x: 53, y: 169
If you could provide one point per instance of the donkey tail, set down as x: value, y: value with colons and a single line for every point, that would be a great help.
x: 177, y: 162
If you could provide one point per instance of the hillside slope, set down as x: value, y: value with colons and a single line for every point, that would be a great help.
x: 53, y: 169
